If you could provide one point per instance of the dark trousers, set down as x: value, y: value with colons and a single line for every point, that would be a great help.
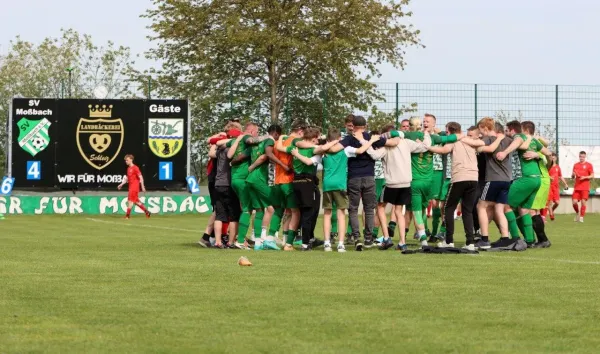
x: 308, y: 197
x: 362, y: 187
x: 466, y: 193
x: 480, y: 187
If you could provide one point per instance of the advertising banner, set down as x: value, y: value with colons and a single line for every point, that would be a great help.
x: 81, y: 144
x: 95, y: 205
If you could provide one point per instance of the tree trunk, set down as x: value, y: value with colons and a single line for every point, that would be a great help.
x: 273, y: 86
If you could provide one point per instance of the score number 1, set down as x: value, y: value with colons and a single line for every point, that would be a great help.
x: 165, y: 171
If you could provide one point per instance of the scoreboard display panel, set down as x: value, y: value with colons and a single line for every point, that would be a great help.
x: 80, y: 144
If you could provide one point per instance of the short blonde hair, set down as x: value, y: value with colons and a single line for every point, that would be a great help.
x: 415, y: 124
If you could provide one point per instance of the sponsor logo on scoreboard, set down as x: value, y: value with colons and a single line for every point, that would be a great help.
x: 33, y: 135
x: 100, y: 137
x: 165, y: 136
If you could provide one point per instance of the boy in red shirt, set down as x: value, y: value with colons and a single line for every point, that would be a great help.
x: 135, y: 180
x: 555, y: 177
x: 583, y: 172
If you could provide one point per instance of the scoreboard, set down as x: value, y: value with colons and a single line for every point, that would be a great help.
x: 81, y: 144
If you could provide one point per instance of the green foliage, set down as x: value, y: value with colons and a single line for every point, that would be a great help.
x: 378, y: 118
x: 275, y: 60
x: 30, y: 70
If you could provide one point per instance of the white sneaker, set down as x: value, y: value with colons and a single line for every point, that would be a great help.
x: 327, y: 247
x: 581, y: 219
x: 443, y: 244
x: 341, y: 249
x: 424, y: 243
x: 470, y: 247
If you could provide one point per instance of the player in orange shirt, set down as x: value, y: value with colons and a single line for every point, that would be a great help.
x: 135, y: 179
x: 555, y: 177
x: 583, y: 173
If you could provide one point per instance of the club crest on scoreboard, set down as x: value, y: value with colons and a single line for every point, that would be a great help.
x: 34, y: 135
x: 100, y: 137
x: 165, y: 136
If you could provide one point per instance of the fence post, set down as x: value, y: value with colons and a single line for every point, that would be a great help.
x: 62, y: 88
x: 287, y: 108
x: 397, y: 105
x: 149, y: 88
x: 476, y: 104
x: 556, y: 116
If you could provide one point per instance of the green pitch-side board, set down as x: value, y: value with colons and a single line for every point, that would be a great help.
x: 95, y: 205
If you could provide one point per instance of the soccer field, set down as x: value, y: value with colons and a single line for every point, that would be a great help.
x: 104, y: 284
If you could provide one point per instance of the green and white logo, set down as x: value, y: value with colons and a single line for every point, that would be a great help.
x: 33, y: 135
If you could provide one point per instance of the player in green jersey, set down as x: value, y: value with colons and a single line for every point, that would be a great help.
x: 523, y: 190
x: 260, y: 192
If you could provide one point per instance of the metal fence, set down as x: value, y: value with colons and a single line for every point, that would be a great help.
x: 570, y: 114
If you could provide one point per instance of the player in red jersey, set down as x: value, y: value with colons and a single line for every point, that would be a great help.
x: 555, y: 178
x: 583, y: 172
x: 135, y: 179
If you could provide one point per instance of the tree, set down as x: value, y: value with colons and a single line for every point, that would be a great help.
x: 545, y: 130
x: 264, y: 57
x: 30, y: 70
x: 378, y: 118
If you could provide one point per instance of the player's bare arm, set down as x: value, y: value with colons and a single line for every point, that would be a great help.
x: 305, y: 160
x: 517, y: 141
x: 271, y: 156
x: 303, y: 144
x: 122, y: 183
x: 239, y: 159
x: 336, y: 148
x: 212, y: 153
x: 367, y: 144
x: 493, y: 146
x: 234, y: 147
x: 442, y: 150
x: 259, y: 161
x: 257, y: 140
x: 142, y: 182
x: 474, y: 143
x: 323, y: 148
x: 223, y: 142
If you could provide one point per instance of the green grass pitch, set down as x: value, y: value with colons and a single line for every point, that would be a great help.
x: 72, y: 284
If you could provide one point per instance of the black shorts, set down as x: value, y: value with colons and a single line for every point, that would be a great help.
x: 306, y: 192
x: 395, y: 196
x: 227, y: 205
x: 211, y: 193
x: 496, y: 192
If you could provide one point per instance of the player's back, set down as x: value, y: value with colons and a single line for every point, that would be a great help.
x: 281, y: 176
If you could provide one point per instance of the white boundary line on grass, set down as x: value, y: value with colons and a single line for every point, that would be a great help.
x: 544, y: 259
x: 141, y: 225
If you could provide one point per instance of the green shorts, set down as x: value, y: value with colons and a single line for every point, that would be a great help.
x: 379, y: 184
x: 260, y: 195
x: 288, y: 196
x: 241, y: 190
x: 436, y: 185
x: 420, y: 191
x: 541, y: 197
x: 445, y: 189
x: 276, y: 196
x: 522, y: 192
x: 335, y: 200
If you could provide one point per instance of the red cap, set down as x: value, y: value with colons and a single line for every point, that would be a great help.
x: 233, y: 133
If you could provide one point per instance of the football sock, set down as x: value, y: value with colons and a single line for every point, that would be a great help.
x: 263, y: 233
x: 543, y: 212
x: 276, y: 221
x: 425, y: 221
x: 290, y: 236
x: 418, y: 217
x: 391, y: 228
x: 435, y: 224
x: 206, y: 237
x: 528, y: 226
x: 225, y: 228
x: 375, y: 232
x: 128, y: 212
x: 576, y: 208
x: 141, y: 206
x: 485, y: 238
x: 513, y: 228
x: 243, y: 226
x: 521, y: 226
x: 583, y: 209
x: 258, y: 218
x: 539, y: 228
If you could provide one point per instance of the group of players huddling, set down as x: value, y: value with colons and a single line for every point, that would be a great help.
x: 504, y: 174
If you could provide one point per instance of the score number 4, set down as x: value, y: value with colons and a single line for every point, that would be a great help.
x: 34, y: 170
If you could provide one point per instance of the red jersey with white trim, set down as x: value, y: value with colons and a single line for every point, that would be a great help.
x: 583, y: 169
x: 133, y: 177
x: 555, y: 175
